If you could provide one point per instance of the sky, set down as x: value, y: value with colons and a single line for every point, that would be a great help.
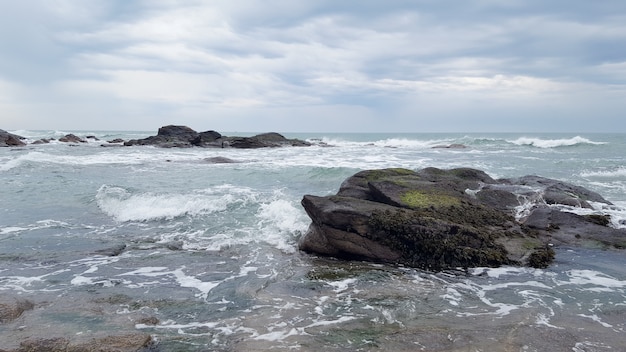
x: 314, y: 65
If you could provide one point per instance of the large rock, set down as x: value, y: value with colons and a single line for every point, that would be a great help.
x: 168, y: 137
x: 10, y: 140
x: 183, y: 136
x: 438, y: 219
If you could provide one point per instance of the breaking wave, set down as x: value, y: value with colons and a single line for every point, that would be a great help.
x: 124, y: 205
x: 554, y: 143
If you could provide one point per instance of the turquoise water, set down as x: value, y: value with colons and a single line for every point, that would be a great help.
x: 210, y: 250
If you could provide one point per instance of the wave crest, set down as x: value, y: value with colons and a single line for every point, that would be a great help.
x: 123, y: 205
x: 554, y: 143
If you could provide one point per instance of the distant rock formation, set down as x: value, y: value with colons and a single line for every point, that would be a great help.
x: 172, y: 136
x: 71, y: 138
x: 10, y: 140
x: 442, y: 219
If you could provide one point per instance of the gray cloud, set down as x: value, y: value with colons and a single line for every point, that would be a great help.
x: 481, y: 65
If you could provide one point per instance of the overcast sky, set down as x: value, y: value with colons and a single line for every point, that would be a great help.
x: 314, y: 65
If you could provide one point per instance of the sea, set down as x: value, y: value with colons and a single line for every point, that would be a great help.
x: 203, y: 256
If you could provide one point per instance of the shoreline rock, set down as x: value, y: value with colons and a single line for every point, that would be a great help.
x: 445, y: 219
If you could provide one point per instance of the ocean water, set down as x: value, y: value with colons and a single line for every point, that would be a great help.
x: 204, y: 256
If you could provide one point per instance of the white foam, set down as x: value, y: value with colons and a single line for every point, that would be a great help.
x: 123, y: 205
x: 620, y: 172
x: 192, y: 282
x: 278, y: 335
x: 18, y: 161
x: 339, y: 320
x: 23, y: 283
x: 182, y: 279
x: 410, y: 143
x: 11, y: 229
x: 553, y: 143
x: 597, y: 319
x: 599, y: 282
x: 542, y: 319
x: 617, y: 212
x: 342, y: 285
x: 280, y: 221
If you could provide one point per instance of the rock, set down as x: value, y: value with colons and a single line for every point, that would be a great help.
x: 185, y: 137
x: 119, y: 343
x: 116, y: 140
x: 439, y: 219
x: 207, y: 139
x: 58, y: 344
x: 12, y: 308
x: 168, y: 137
x: 450, y: 146
x: 219, y: 160
x: 42, y: 141
x: 113, y: 251
x: 71, y: 138
x: 264, y: 140
x: 10, y: 140
x: 556, y: 192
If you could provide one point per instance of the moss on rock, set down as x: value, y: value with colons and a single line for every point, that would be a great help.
x: 420, y: 199
x: 541, y: 258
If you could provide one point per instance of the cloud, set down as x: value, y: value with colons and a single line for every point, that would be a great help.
x: 264, y: 65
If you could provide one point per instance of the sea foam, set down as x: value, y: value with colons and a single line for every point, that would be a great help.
x: 124, y: 205
x: 553, y: 143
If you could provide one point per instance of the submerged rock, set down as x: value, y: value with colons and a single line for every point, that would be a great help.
x: 120, y: 343
x: 220, y: 160
x: 450, y: 146
x: 12, y: 308
x: 438, y: 219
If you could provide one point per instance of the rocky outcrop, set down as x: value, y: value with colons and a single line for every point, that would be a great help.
x: 10, y: 140
x: 185, y: 137
x: 72, y: 138
x: 168, y: 137
x: 438, y: 219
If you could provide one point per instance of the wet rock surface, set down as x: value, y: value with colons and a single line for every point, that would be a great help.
x: 10, y: 140
x: 438, y: 219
